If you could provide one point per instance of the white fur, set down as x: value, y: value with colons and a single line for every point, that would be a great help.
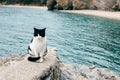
x: 38, y: 47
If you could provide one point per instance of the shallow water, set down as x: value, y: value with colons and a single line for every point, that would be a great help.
x: 79, y: 39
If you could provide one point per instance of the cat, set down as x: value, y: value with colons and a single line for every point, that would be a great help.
x: 38, y: 48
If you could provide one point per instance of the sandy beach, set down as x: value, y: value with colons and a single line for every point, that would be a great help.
x: 105, y: 14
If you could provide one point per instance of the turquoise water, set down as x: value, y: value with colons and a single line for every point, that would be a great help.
x: 79, y: 39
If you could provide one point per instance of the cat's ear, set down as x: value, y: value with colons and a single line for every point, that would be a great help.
x: 44, y: 29
x: 34, y: 28
x: 35, y: 32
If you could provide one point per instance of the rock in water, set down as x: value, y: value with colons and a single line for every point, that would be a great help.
x: 70, y: 72
x: 19, y: 68
x: 26, y: 70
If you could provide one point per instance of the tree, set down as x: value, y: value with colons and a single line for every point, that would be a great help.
x: 27, y: 2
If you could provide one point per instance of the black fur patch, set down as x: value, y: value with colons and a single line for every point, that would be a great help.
x: 46, y: 50
x: 31, y: 40
x: 33, y: 59
x: 29, y: 48
x: 41, y: 32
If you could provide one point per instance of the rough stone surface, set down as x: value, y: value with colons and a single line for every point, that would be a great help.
x: 64, y: 5
x: 19, y: 68
x: 26, y: 70
x: 51, y: 4
x: 79, y: 4
x: 106, y: 5
x: 117, y: 5
x: 83, y: 72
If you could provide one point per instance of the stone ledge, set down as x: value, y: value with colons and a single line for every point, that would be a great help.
x: 19, y: 68
x: 70, y: 72
x: 26, y: 70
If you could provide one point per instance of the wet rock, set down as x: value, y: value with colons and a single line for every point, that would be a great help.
x: 66, y: 76
x: 70, y: 72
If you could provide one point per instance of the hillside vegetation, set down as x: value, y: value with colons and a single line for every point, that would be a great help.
x: 24, y: 2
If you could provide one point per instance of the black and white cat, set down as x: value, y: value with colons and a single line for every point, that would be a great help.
x: 37, y: 48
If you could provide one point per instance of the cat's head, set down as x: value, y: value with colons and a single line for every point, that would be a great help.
x: 39, y: 32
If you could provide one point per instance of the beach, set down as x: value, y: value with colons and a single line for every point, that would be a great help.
x: 105, y: 14
x: 98, y: 13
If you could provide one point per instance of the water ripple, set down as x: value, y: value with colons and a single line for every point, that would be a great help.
x: 80, y: 39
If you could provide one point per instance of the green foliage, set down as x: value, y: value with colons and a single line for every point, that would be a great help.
x: 2, y: 1
x: 38, y: 2
x: 26, y: 1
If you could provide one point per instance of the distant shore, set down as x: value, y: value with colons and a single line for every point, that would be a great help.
x: 104, y: 14
x: 98, y: 13
x: 26, y: 6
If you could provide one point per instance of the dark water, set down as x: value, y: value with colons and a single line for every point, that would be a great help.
x: 79, y: 39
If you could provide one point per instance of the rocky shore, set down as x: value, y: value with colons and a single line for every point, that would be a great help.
x: 19, y: 68
x: 70, y: 72
x: 105, y: 5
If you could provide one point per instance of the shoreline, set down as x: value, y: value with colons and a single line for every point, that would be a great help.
x: 82, y: 72
x: 97, y: 13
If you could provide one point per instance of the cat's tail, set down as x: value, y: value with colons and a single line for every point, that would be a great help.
x: 33, y: 59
